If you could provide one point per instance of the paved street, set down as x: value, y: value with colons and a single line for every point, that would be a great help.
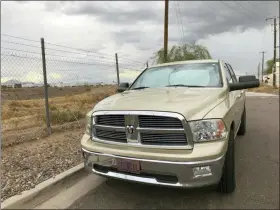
x: 257, y: 172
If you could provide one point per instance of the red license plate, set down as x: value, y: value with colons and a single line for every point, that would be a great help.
x: 131, y: 166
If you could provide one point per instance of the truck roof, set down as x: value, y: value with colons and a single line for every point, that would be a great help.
x: 185, y: 62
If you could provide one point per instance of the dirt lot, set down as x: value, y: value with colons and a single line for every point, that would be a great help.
x: 29, y: 155
x: 265, y: 89
x: 38, y: 92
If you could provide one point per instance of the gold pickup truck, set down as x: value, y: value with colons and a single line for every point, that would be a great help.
x: 175, y: 125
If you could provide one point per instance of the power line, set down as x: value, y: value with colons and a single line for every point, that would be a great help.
x: 130, y: 62
x: 78, y: 49
x: 45, y: 48
x: 180, y: 18
x: 87, y: 62
x: 206, y: 3
x: 40, y: 53
x: 227, y: 5
x: 84, y: 50
x: 13, y: 55
x: 256, y: 6
x: 123, y: 66
x: 247, y: 9
x: 20, y: 50
x: 232, y: 8
x: 178, y: 21
x: 62, y: 46
x: 17, y: 37
x: 28, y: 45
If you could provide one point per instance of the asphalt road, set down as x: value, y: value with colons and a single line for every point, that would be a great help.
x: 257, y: 174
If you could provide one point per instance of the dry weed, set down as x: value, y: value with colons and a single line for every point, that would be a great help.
x: 64, y: 116
x: 63, y: 109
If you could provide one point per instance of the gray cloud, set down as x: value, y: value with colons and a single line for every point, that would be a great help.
x: 211, y: 18
x: 107, y: 13
x: 199, y: 19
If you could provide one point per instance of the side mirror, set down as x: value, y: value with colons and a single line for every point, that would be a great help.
x: 245, y: 82
x: 123, y: 87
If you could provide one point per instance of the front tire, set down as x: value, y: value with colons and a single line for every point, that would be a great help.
x: 227, y: 182
x: 242, y: 128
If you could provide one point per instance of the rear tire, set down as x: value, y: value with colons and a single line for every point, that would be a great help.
x: 242, y: 128
x: 227, y: 182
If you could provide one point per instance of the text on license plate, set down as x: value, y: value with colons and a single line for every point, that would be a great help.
x: 132, y: 166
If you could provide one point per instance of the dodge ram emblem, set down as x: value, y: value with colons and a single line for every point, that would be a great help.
x: 130, y: 129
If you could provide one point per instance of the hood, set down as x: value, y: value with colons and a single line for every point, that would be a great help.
x: 192, y: 103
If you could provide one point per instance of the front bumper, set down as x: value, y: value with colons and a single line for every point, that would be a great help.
x: 166, y: 173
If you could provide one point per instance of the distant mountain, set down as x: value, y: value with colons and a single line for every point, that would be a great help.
x: 11, y: 82
x: 14, y: 81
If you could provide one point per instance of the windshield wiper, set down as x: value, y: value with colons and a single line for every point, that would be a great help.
x: 181, y: 85
x: 139, y: 88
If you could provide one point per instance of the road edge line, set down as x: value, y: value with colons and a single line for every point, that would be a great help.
x: 17, y: 200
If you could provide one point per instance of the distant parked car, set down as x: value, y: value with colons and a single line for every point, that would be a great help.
x: 18, y: 85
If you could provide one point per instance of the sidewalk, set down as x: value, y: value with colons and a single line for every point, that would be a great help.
x: 68, y: 195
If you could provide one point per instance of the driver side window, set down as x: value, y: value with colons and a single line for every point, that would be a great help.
x: 232, y: 73
x: 228, y: 75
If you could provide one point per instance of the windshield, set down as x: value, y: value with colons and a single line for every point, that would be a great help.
x: 192, y: 75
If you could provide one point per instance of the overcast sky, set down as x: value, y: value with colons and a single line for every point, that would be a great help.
x: 232, y: 31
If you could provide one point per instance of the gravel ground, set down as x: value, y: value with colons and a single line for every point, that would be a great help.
x: 27, y: 164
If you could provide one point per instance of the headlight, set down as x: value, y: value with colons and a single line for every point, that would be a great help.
x: 208, y: 130
x: 89, y: 123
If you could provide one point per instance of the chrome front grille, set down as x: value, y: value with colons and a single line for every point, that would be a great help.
x: 142, y: 128
x: 117, y: 136
x: 170, y: 139
x: 148, y: 121
x: 110, y: 120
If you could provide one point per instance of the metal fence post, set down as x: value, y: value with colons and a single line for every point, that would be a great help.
x: 117, y: 68
x: 46, y: 87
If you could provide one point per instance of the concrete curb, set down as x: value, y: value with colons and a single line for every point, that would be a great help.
x: 19, y: 201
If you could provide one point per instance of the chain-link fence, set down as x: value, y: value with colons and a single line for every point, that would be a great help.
x: 22, y: 95
x: 76, y: 80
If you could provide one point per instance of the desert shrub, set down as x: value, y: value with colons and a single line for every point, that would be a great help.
x: 64, y: 116
x: 53, y: 108
x: 15, y: 103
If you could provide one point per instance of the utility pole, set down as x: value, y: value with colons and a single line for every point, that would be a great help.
x: 274, y: 50
x: 263, y: 52
x: 259, y: 71
x: 117, y: 68
x: 165, y: 31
